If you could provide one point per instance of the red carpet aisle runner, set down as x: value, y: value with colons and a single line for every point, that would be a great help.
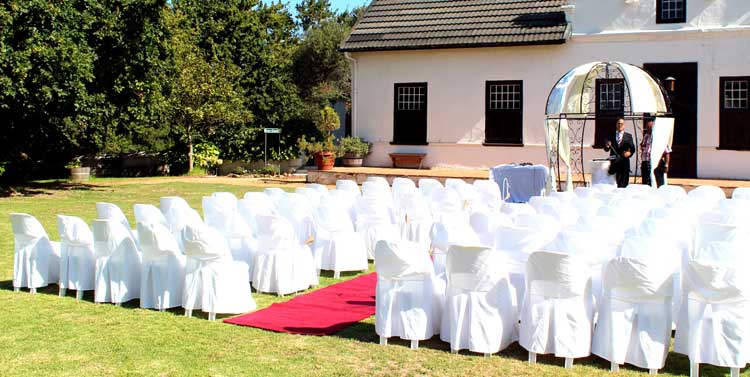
x: 322, y: 312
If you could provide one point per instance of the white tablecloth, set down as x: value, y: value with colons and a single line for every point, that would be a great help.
x: 600, y: 172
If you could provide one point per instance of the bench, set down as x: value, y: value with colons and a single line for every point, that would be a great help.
x: 407, y: 160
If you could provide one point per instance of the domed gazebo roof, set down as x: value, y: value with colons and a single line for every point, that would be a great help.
x: 574, y: 95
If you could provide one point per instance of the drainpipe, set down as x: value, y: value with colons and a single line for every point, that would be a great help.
x: 349, y: 57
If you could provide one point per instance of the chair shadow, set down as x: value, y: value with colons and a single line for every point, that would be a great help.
x: 32, y: 188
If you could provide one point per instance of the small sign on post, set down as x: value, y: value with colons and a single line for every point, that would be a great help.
x: 267, y: 131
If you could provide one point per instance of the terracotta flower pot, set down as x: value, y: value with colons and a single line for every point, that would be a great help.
x: 325, y: 160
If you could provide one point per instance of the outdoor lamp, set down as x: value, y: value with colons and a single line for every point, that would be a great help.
x: 670, y: 81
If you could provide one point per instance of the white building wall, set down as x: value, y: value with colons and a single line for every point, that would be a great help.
x: 456, y: 88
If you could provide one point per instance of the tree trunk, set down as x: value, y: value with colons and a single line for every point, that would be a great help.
x: 190, y: 152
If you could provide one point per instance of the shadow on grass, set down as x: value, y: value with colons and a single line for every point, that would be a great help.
x: 37, y: 188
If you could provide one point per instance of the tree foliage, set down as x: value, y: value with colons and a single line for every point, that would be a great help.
x: 82, y: 77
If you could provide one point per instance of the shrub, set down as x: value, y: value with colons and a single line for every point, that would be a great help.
x: 206, y: 156
x: 312, y: 146
x: 354, y: 145
x: 328, y: 121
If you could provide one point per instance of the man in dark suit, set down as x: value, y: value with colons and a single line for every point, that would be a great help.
x: 620, y: 147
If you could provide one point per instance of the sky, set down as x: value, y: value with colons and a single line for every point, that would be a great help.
x: 338, y: 5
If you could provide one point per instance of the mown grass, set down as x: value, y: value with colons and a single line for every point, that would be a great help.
x: 46, y: 335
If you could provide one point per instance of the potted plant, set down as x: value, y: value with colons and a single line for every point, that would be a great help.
x: 78, y: 173
x: 325, y: 151
x: 354, y: 149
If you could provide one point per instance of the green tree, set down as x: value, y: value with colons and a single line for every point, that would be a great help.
x: 205, y: 95
x: 312, y: 13
x: 259, y: 39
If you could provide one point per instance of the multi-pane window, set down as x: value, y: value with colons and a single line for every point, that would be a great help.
x: 410, y: 113
x: 670, y: 11
x: 505, y: 97
x: 611, y: 96
x: 735, y: 94
x: 734, y: 111
x: 410, y: 97
x: 503, y: 112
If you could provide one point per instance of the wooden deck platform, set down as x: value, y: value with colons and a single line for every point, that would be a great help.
x: 359, y: 175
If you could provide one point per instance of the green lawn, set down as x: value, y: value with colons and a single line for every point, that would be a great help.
x: 45, y: 335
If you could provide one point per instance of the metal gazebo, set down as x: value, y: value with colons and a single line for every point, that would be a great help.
x: 573, y: 102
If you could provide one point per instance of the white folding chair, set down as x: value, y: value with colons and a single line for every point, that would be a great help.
x: 635, y: 312
x: 118, y: 263
x: 714, y: 320
x: 337, y: 246
x: 214, y: 283
x: 557, y: 314
x: 163, y: 267
x: 347, y: 185
x: 481, y: 312
x: 408, y: 299
x: 36, y: 259
x: 147, y: 213
x: 282, y: 264
x: 77, y: 260
x: 166, y: 203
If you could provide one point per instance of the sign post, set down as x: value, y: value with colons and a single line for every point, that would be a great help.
x: 267, y: 131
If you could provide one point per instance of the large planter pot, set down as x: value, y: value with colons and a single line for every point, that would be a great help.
x: 325, y: 160
x: 80, y: 174
x: 352, y: 160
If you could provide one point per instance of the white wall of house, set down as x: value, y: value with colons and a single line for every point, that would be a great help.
x: 456, y: 83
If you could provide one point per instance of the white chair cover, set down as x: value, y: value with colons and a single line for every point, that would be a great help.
x: 214, y: 282
x: 427, y: 185
x: 741, y: 193
x: 381, y: 181
x: 408, y: 298
x: 635, y: 317
x: 282, y: 265
x: 708, y: 193
x: 454, y: 183
x: 447, y: 232
x: 587, y: 206
x: 515, y: 209
x: 671, y: 194
x: 604, y: 187
x: 489, y: 195
x: 36, y: 259
x: 565, y: 196
x: 557, y: 314
x: 714, y: 322
x: 321, y: 189
x: 166, y: 203
x: 276, y: 194
x: 484, y: 225
x: 445, y: 202
x: 348, y: 200
x: 312, y: 195
x: 402, y: 184
x: 253, y: 204
x: 163, y: 271
x: 77, y: 260
x: 297, y: 210
x: 337, y: 246
x: 109, y: 211
x: 147, y: 213
x: 481, y: 312
x: 375, y: 220
x: 221, y: 213
x: 178, y: 218
x: 562, y: 211
x: 415, y: 217
x: 227, y: 198
x: 118, y: 262
x: 585, y: 192
x: 347, y: 185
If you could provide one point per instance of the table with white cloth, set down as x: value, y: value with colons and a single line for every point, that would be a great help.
x: 518, y: 183
x: 600, y: 172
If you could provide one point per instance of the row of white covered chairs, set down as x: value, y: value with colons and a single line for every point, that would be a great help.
x: 106, y: 259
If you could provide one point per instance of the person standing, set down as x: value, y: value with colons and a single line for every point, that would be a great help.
x: 620, y: 146
x: 663, y: 165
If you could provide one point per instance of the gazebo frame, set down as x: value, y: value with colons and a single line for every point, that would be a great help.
x: 576, y: 135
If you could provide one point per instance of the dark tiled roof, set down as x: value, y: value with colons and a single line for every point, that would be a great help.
x: 426, y: 24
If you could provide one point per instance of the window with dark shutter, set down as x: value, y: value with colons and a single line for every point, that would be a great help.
x: 410, y: 113
x: 503, y: 110
x: 610, y: 105
x: 670, y: 11
x: 734, y: 114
